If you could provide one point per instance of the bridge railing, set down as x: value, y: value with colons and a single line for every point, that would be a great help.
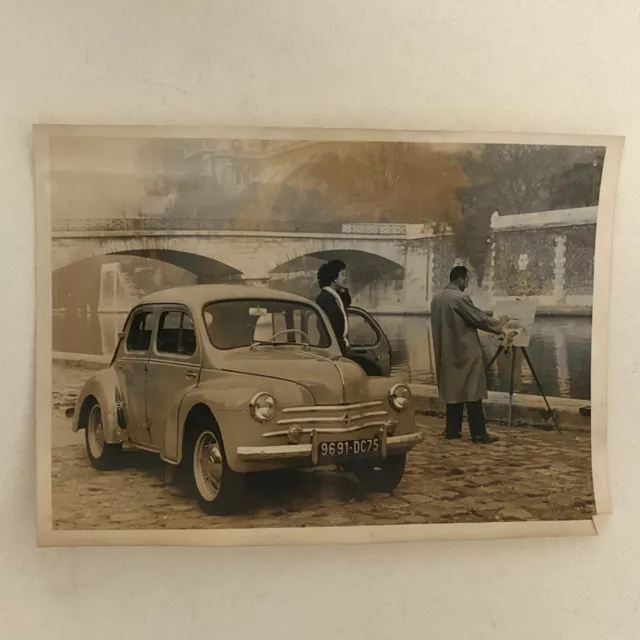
x: 210, y: 224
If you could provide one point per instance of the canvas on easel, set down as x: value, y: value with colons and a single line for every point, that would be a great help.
x: 517, y: 335
x: 521, y: 314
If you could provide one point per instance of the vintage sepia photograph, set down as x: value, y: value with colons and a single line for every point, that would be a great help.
x: 286, y: 336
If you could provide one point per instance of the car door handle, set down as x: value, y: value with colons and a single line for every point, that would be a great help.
x: 191, y: 375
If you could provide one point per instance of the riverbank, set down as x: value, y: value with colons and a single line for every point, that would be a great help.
x: 528, y: 410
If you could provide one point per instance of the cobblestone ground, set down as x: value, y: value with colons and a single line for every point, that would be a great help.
x: 538, y: 476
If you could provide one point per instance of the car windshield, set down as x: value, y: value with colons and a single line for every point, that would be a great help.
x: 232, y: 324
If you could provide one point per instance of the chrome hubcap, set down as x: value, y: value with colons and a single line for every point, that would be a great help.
x: 207, y: 465
x: 96, y: 432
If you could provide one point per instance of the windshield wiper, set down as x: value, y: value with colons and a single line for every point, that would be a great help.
x: 257, y: 343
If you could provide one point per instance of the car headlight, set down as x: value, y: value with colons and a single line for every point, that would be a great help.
x: 400, y: 397
x: 262, y: 406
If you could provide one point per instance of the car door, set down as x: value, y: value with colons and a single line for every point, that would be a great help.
x: 130, y: 362
x: 368, y: 344
x: 174, y: 369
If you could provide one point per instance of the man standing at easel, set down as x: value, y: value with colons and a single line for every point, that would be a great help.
x: 460, y: 365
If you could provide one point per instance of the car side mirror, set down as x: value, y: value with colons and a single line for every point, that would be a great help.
x: 120, y: 335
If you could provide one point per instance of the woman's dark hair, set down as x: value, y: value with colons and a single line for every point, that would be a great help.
x: 329, y: 272
x: 458, y: 272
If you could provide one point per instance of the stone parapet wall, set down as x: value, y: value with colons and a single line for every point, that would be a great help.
x: 553, y: 264
x: 524, y: 263
x: 579, y: 269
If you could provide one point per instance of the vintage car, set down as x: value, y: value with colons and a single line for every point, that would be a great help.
x: 225, y: 380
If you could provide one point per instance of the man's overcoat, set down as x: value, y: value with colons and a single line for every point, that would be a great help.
x: 460, y: 363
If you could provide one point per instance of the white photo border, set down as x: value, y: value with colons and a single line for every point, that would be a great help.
x: 48, y: 536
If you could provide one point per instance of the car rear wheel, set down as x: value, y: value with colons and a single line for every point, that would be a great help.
x: 218, y: 489
x: 102, y: 455
x: 381, y: 476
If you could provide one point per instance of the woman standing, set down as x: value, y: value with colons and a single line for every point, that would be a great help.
x: 334, y: 299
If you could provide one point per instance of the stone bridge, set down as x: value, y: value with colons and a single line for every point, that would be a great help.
x: 547, y: 256
x: 255, y: 256
x: 252, y: 255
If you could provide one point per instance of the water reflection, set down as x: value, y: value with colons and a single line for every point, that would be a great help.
x: 84, y: 333
x: 560, y: 350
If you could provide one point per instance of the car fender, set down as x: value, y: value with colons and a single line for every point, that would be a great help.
x: 229, y: 394
x: 103, y: 387
x: 379, y: 388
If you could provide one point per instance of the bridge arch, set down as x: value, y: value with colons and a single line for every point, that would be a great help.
x: 387, y: 254
x: 75, y: 286
x: 85, y: 284
x: 365, y: 269
x: 355, y: 259
x: 204, y: 268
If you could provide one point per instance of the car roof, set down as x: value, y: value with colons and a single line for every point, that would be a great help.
x: 200, y: 294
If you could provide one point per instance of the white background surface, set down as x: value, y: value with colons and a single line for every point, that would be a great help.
x: 539, y: 66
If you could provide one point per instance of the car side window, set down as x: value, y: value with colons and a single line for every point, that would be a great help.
x: 139, y: 338
x: 361, y: 332
x: 176, y: 334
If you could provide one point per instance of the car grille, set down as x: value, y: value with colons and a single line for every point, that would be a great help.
x: 346, y: 417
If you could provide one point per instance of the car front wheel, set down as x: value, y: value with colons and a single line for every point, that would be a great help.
x: 218, y: 489
x: 381, y: 476
x: 102, y: 455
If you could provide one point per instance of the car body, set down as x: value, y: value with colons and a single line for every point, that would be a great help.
x: 225, y: 380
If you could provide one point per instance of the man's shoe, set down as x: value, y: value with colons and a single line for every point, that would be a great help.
x: 457, y: 436
x: 484, y: 439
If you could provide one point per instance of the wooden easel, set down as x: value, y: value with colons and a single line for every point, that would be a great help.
x: 501, y: 349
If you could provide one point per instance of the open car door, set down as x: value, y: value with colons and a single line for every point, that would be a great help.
x: 369, y: 345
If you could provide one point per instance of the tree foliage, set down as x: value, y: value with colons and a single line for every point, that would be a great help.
x: 388, y: 182
x: 579, y: 185
x: 514, y: 179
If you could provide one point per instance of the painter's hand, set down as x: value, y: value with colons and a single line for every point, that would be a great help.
x: 507, y: 338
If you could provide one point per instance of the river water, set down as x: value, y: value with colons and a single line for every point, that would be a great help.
x: 560, y: 350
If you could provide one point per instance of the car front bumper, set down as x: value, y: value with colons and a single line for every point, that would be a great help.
x: 389, y: 445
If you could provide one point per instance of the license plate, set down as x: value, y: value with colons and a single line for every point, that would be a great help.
x: 348, y: 449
